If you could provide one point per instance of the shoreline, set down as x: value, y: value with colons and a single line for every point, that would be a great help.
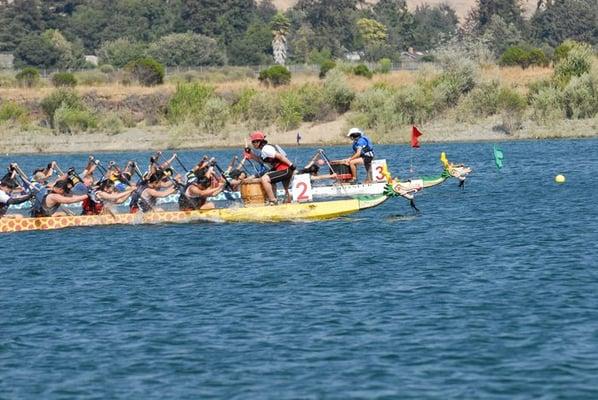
x: 44, y: 141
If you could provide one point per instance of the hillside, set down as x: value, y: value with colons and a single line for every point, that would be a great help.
x: 460, y: 6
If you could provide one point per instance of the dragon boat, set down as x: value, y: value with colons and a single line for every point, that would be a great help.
x: 340, y: 188
x: 284, y: 212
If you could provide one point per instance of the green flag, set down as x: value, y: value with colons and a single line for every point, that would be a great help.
x: 498, y: 156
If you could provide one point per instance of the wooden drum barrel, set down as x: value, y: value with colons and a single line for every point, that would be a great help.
x: 252, y: 192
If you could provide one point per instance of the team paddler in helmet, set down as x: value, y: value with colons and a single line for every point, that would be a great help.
x: 281, y: 168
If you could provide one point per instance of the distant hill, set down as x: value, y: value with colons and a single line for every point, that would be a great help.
x: 462, y: 7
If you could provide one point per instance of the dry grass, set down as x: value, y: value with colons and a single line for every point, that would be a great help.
x: 516, y: 76
x: 513, y: 76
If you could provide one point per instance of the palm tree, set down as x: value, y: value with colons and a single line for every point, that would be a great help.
x: 280, y: 28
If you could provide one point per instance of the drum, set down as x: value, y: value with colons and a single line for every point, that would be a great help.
x: 342, y: 170
x: 252, y: 192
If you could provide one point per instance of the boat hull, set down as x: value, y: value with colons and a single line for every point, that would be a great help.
x: 284, y: 212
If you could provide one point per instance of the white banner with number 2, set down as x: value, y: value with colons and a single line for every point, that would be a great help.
x: 378, y: 167
x: 302, y: 188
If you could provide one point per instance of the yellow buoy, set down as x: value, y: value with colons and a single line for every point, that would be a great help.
x: 559, y: 179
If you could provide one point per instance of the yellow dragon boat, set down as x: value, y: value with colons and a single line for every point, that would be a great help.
x: 283, y: 212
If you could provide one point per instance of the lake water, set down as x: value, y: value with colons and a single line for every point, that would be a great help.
x: 491, y: 292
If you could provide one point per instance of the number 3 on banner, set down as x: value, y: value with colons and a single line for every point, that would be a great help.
x: 378, y: 167
x: 302, y: 188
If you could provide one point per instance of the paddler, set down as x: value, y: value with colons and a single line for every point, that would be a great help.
x: 8, y: 185
x: 145, y: 196
x: 363, y: 153
x: 281, y: 168
x: 42, y: 175
x: 47, y: 201
x: 105, y: 194
x: 195, y: 193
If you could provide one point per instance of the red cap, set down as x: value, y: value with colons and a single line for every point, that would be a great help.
x: 257, y: 135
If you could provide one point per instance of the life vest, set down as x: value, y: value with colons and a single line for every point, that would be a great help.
x: 276, y: 164
x: 137, y: 200
x: 39, y: 208
x: 188, y: 203
x: 92, y: 205
x: 366, y: 146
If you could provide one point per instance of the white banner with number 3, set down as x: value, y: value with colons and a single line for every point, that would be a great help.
x: 378, y: 167
x: 302, y: 188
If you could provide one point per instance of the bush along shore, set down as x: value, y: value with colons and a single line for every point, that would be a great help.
x: 457, y: 97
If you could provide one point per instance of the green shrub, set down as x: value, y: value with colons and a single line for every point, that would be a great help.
x: 362, y: 70
x: 187, y: 49
x: 58, y: 98
x: 547, y: 105
x: 537, y: 57
x: 314, y: 105
x: 428, y: 58
x: 414, y: 104
x: 482, y: 101
x: 215, y: 114
x: 536, y: 86
x: 514, y: 56
x: 240, y: 107
x: 384, y: 66
x: 63, y: 79
x: 326, y: 66
x: 523, y: 57
x: 289, y: 110
x: 120, y: 52
x: 577, y: 62
x: 111, y: 124
x: 337, y: 92
x: 28, y: 77
x: 511, y: 106
x: 458, y: 77
x: 370, y: 104
x: 581, y: 97
x: 146, y: 71
x: 11, y: 111
x: 92, y: 77
x: 562, y: 50
x: 188, y: 101
x: 262, y: 110
x: 106, y: 69
x: 276, y: 75
x: 73, y: 120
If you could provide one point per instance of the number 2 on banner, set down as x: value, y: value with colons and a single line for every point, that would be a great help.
x: 302, y: 188
x: 378, y: 167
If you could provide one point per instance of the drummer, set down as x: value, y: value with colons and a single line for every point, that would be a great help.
x: 281, y: 168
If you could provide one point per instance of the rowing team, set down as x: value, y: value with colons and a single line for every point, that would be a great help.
x: 205, y: 179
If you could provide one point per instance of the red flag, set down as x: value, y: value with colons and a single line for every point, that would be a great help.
x: 415, y: 134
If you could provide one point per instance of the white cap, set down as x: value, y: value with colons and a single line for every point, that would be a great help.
x: 354, y: 131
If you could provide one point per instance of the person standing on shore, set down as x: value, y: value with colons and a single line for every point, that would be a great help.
x: 298, y: 138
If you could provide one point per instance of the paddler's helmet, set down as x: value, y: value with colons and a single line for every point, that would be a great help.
x: 354, y: 133
x: 257, y: 135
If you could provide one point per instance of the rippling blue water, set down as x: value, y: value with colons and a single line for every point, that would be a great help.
x: 492, y: 292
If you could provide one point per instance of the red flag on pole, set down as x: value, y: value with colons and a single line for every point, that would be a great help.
x: 415, y: 134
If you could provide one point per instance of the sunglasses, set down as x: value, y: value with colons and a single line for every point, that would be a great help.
x: 255, y: 141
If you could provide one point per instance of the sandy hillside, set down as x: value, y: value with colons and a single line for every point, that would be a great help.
x: 461, y: 6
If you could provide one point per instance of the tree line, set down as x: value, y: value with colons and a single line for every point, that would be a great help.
x: 56, y: 33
